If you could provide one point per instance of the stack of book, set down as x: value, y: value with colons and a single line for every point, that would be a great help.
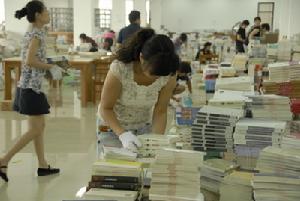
x: 213, y: 128
x: 284, y: 50
x: 295, y: 106
x: 153, y: 142
x: 290, y: 89
x: 243, y: 83
x: 239, y: 62
x: 271, y: 107
x: 282, y: 72
x: 184, y: 134
x: 115, y: 180
x: 252, y: 135
x: 175, y: 176
x: 227, y: 71
x: 213, y: 172
x: 279, y: 175
x: 210, y: 74
x: 118, y: 153
x: 230, y: 99
x: 237, y: 187
x: 292, y: 140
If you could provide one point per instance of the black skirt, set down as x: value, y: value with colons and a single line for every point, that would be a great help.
x: 28, y: 102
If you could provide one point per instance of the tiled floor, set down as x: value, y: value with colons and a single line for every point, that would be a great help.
x: 70, y: 145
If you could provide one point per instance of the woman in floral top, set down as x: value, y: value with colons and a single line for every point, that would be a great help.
x: 138, y: 89
x: 30, y: 100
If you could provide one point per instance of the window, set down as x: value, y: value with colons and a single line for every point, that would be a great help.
x: 265, y: 11
x: 2, y: 11
x: 103, y: 14
x: 128, y: 9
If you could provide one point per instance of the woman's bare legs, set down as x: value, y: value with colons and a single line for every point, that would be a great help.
x: 36, y: 126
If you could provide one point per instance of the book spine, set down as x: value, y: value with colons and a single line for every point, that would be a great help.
x: 115, y: 179
x: 113, y: 185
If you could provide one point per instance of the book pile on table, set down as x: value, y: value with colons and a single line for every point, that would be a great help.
x: 282, y: 72
x: 239, y: 62
x: 213, y: 128
x: 288, y: 88
x: 271, y: 107
x: 118, y: 153
x: 175, y: 176
x: 227, y: 71
x: 243, y: 83
x: 237, y: 187
x: 279, y: 175
x: 292, y: 140
x: 213, y: 172
x: 230, y: 99
x: 115, y: 180
x: 284, y: 50
x: 252, y: 135
x: 210, y: 74
x: 295, y: 106
x: 153, y: 142
x: 184, y: 134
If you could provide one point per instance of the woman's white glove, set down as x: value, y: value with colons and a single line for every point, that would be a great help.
x: 130, y: 141
x: 56, y: 72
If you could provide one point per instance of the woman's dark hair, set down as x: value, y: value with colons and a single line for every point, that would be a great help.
x: 184, y: 67
x: 157, y: 50
x: 183, y: 37
x: 207, y: 44
x: 82, y: 36
x: 257, y: 18
x: 30, y: 10
x: 265, y: 26
x: 246, y: 22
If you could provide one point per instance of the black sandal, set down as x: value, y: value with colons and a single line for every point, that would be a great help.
x: 3, y: 175
x: 47, y: 171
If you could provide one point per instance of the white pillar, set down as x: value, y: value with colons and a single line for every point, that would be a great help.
x: 140, y: 5
x: 156, y: 14
x: 84, y: 18
x: 118, y: 15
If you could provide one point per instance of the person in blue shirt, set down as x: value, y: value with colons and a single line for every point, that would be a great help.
x: 135, y: 22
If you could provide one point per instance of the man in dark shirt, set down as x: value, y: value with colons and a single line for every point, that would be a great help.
x: 241, y: 37
x: 85, y: 39
x: 255, y: 30
x: 126, y: 32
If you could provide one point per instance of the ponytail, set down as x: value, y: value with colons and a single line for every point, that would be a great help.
x: 21, y: 13
x: 131, y: 49
x: 30, y: 10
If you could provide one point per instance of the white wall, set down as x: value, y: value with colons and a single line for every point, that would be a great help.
x: 59, y: 3
x: 191, y: 15
x: 156, y: 14
x: 118, y: 15
x: 84, y: 18
x: 140, y: 5
x: 14, y: 26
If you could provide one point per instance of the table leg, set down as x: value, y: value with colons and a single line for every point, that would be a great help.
x: 83, y: 86
x: 7, y: 81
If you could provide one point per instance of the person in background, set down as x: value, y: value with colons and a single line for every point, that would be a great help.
x: 137, y: 89
x: 85, y: 39
x: 135, y: 22
x: 30, y: 99
x: 265, y: 28
x: 178, y: 42
x: 206, y: 51
x: 109, y: 34
x: 255, y: 30
x: 108, y: 43
x: 241, y: 37
x: 183, y: 74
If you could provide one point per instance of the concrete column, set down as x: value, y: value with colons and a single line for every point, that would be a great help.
x: 140, y: 5
x: 84, y: 18
x: 155, y: 14
x: 118, y: 15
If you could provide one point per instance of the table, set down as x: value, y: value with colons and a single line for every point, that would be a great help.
x: 83, y: 64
